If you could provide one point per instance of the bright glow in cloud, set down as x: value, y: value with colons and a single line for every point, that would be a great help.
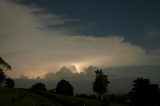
x: 27, y: 44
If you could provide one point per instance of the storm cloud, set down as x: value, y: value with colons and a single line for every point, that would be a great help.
x: 34, y: 49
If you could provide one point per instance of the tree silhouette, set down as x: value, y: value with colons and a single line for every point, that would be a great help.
x: 2, y: 77
x: 64, y: 87
x: 101, y: 83
x: 39, y: 86
x: 144, y: 94
x: 9, y: 83
x: 4, y: 66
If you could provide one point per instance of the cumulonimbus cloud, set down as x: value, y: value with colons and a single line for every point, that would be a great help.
x: 34, y: 49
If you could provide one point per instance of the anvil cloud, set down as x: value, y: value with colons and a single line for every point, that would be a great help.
x: 33, y: 48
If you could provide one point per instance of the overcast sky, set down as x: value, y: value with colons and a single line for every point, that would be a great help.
x: 38, y: 37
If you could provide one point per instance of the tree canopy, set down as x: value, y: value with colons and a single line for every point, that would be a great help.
x: 3, y: 67
x: 64, y: 87
x: 144, y: 93
x: 39, y: 86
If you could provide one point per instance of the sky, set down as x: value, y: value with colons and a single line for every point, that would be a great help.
x: 42, y: 39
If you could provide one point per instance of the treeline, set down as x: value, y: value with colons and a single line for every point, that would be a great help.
x: 143, y: 93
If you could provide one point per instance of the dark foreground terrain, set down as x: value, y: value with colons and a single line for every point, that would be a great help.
x: 21, y: 97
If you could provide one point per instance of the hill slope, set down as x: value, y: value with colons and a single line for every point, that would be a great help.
x: 21, y: 97
x: 16, y: 97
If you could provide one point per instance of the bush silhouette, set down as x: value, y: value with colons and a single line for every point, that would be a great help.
x: 64, y: 87
x: 39, y: 86
x: 10, y: 83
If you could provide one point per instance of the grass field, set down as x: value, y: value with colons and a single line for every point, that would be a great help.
x: 19, y: 97
x: 79, y: 101
x: 13, y: 97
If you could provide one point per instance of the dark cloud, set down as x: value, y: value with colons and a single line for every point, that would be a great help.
x: 151, y: 37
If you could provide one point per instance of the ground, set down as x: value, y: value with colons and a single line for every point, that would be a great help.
x: 20, y: 97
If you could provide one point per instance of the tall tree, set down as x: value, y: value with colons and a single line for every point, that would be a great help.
x: 101, y: 83
x: 64, y: 87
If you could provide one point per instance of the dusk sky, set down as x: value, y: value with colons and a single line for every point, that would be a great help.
x: 121, y: 37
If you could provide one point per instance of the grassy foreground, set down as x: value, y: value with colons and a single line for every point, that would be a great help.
x: 13, y: 97
x: 19, y: 97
